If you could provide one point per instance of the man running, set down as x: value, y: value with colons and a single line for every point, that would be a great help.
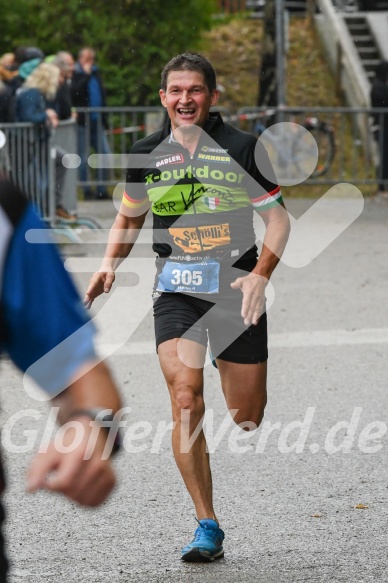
x: 202, y: 178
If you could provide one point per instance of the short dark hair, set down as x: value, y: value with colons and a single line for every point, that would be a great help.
x: 190, y: 62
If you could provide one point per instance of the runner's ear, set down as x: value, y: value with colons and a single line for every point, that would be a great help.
x: 214, y: 97
x: 162, y: 96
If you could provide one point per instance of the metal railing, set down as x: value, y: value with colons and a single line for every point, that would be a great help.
x: 356, y: 135
x: 27, y: 160
x: 29, y: 156
x: 111, y: 130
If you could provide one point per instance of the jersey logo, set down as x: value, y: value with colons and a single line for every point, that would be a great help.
x: 177, y: 159
x: 214, y: 150
x: 210, y: 202
x: 215, y: 158
x: 196, y: 239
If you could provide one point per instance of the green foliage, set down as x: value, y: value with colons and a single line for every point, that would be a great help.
x: 133, y: 39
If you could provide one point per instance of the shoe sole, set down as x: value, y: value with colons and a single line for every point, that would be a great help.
x: 195, y: 556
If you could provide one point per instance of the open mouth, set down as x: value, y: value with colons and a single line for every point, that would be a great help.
x: 186, y: 111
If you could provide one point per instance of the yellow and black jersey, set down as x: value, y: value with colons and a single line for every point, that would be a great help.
x: 202, y: 204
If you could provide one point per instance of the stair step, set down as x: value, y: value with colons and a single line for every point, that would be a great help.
x: 370, y: 68
x: 376, y: 59
x: 355, y: 19
x: 363, y: 44
x: 363, y: 38
x: 368, y: 50
x: 357, y: 33
x: 362, y: 29
x: 370, y: 53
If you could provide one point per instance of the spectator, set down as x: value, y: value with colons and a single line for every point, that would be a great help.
x: 63, y: 102
x: 18, y: 57
x: 33, y: 281
x: 32, y: 101
x: 30, y: 53
x: 7, y: 91
x: 4, y: 101
x: 68, y: 63
x: 379, y: 98
x: 25, y: 60
x: 88, y: 91
x: 9, y: 83
x: 7, y: 60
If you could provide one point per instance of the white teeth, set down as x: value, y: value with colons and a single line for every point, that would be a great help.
x: 182, y: 110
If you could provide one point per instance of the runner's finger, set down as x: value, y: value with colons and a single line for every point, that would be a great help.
x: 109, y: 279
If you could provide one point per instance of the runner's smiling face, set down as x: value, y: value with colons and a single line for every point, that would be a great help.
x: 187, y: 98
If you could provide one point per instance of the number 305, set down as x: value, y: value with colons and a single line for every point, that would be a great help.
x: 186, y: 277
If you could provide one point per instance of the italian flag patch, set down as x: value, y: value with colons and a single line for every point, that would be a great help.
x: 211, y: 202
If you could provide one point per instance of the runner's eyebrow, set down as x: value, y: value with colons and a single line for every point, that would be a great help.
x: 190, y: 88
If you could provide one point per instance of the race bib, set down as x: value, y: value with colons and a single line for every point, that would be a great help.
x: 197, y: 278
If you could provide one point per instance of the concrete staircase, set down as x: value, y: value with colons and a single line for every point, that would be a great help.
x: 364, y: 41
x: 354, y: 42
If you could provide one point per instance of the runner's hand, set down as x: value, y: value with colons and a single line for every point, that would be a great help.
x: 86, y: 481
x: 101, y: 282
x: 253, y: 304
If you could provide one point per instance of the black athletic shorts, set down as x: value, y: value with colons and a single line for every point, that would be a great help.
x: 221, y: 324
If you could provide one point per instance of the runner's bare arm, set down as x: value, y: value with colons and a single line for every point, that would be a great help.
x: 277, y: 230
x: 122, y: 237
x: 277, y: 225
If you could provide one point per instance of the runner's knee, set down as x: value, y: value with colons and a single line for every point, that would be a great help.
x: 185, y: 397
x: 249, y: 419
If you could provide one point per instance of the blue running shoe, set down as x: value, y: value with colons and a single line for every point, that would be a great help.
x: 206, y: 544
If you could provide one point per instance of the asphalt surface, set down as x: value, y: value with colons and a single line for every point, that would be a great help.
x: 289, y: 515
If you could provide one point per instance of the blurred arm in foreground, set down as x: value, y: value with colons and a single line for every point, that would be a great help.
x: 46, y: 332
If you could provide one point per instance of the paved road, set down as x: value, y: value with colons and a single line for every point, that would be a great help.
x: 288, y: 507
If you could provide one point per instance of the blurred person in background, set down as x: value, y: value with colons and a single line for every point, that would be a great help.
x: 379, y: 99
x: 7, y: 91
x: 7, y: 60
x: 87, y: 90
x: 33, y: 105
x: 63, y: 102
x: 40, y: 311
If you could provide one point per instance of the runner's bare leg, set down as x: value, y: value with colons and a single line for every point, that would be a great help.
x: 245, y: 389
x: 185, y: 385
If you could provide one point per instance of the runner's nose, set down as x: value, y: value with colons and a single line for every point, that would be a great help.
x: 185, y: 97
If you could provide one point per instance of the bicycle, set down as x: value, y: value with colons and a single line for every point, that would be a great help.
x: 290, y: 148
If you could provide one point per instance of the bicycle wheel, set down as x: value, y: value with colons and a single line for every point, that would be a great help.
x: 279, y: 141
x: 324, y: 136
